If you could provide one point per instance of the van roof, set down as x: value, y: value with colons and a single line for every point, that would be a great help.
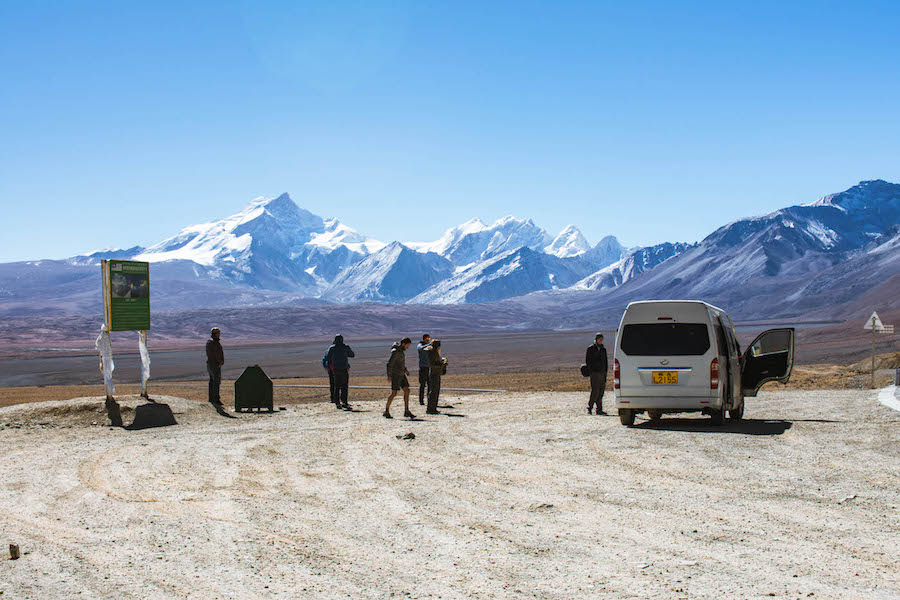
x: 706, y: 304
x: 679, y: 310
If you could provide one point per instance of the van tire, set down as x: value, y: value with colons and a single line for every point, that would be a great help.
x: 737, y: 414
x: 718, y: 417
x: 654, y: 415
x: 626, y: 416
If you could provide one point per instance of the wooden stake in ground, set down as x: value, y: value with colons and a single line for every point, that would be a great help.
x: 145, y: 362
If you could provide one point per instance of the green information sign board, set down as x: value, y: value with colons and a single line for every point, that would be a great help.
x: 126, y: 295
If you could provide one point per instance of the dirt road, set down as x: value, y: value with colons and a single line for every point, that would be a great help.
x: 517, y: 496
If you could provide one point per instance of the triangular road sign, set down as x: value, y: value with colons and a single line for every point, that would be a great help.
x: 874, y: 322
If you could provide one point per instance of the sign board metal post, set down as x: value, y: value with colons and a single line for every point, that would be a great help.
x: 874, y: 324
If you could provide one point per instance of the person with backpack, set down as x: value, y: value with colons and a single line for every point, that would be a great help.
x: 424, y: 368
x: 597, y: 364
x: 397, y: 375
x: 436, y: 366
x: 338, y: 359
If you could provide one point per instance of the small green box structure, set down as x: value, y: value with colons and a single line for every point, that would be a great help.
x: 253, y: 389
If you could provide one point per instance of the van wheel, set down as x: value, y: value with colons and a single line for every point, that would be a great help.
x: 655, y: 415
x: 626, y: 416
x: 718, y: 417
x: 738, y: 413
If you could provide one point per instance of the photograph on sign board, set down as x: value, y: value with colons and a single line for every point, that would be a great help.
x: 130, y: 285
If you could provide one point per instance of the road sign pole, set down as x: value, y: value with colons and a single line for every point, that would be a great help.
x: 873, y: 352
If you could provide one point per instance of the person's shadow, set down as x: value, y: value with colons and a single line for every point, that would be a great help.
x: 742, y: 427
x: 220, y: 408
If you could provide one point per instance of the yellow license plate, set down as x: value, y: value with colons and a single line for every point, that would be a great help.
x: 665, y: 377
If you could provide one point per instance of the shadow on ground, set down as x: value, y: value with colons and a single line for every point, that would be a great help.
x: 744, y: 427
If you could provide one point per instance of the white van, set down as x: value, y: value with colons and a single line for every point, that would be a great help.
x: 683, y: 356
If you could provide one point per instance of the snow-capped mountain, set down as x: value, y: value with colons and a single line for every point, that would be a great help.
x: 394, y: 273
x: 271, y: 244
x: 473, y: 241
x: 765, y: 265
x: 508, y: 275
x: 636, y: 262
x: 569, y: 242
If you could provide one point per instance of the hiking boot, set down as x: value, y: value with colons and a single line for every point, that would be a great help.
x: 386, y: 415
x: 421, y: 403
x: 432, y: 412
x: 347, y: 407
x: 408, y: 415
x: 338, y: 406
x: 590, y: 409
x: 602, y: 412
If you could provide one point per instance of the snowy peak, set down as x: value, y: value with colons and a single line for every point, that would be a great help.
x: 569, y: 242
x: 276, y: 220
x: 394, y: 273
x: 839, y: 222
x: 863, y: 196
x: 634, y: 263
x: 337, y: 234
x: 474, y: 241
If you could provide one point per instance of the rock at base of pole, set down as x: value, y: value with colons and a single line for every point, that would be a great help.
x: 153, y: 414
x: 114, y: 412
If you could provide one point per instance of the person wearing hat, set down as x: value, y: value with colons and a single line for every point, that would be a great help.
x: 598, y: 364
x: 215, y: 358
x: 338, y: 359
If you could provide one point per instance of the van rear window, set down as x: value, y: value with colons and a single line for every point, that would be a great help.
x: 665, y: 339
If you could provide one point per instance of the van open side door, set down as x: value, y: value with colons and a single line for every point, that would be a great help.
x: 769, y: 358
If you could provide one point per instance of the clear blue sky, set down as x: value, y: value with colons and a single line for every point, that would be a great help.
x: 122, y: 122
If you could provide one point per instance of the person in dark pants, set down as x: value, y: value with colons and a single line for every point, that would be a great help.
x: 327, y: 367
x: 397, y: 375
x: 436, y: 370
x: 597, y: 363
x: 215, y: 358
x: 338, y: 358
x: 423, y: 366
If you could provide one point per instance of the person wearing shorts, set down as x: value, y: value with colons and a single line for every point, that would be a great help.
x: 397, y: 374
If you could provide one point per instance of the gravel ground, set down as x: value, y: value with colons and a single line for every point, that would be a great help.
x: 515, y: 496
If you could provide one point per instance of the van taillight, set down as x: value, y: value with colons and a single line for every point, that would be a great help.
x: 616, y: 374
x: 714, y: 374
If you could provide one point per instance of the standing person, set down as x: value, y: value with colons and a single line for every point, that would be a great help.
x: 338, y: 358
x: 396, y: 374
x: 215, y: 358
x: 598, y: 364
x: 423, y: 348
x: 327, y: 367
x: 436, y: 369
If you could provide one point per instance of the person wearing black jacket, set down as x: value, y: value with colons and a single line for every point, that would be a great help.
x: 215, y: 358
x: 338, y: 359
x: 598, y: 364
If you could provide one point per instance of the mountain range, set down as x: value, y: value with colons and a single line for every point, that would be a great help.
x: 275, y: 253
